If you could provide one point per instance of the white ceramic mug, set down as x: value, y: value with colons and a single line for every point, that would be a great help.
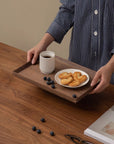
x: 47, y: 62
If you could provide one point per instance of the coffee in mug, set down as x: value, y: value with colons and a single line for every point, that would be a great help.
x: 47, y: 62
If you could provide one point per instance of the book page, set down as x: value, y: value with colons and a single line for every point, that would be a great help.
x: 109, y: 129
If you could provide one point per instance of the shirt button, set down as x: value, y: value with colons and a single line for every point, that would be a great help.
x: 95, y: 53
x: 95, y: 33
x: 96, y: 12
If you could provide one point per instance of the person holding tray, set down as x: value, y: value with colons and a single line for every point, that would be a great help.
x: 92, y: 40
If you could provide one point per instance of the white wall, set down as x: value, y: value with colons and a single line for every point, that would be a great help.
x: 24, y: 22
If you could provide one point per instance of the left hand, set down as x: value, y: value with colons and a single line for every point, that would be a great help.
x: 104, y: 75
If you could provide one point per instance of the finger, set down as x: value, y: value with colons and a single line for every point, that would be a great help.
x: 29, y: 56
x: 35, y: 58
x: 101, y: 86
x: 91, y: 92
x: 95, y: 90
x: 96, y: 79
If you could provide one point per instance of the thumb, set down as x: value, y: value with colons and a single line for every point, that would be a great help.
x: 96, y: 78
x: 35, y: 58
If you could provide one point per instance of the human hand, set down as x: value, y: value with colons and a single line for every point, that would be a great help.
x: 33, y: 53
x: 103, y: 76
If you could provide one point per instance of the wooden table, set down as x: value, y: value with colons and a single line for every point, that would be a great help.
x: 22, y: 105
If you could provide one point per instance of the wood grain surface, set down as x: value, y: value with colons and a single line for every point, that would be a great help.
x: 32, y: 73
x: 22, y: 105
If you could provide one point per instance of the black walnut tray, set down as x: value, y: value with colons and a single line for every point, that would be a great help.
x: 31, y: 73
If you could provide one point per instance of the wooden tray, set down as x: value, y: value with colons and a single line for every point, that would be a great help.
x: 32, y: 74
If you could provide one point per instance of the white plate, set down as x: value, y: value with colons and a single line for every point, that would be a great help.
x: 57, y: 79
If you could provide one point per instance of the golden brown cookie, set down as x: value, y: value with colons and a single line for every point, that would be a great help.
x: 67, y: 80
x: 72, y: 79
x: 74, y: 83
x: 82, y: 78
x: 64, y: 75
x: 76, y: 75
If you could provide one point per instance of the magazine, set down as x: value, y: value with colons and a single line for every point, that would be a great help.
x: 103, y: 128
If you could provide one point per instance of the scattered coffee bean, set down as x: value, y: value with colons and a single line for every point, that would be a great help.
x: 38, y: 131
x: 34, y: 128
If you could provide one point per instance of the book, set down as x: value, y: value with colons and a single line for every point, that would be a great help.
x: 103, y: 128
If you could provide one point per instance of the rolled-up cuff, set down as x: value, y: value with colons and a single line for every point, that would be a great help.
x: 56, y: 31
x: 112, y: 51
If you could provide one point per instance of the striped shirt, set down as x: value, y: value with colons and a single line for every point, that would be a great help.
x: 92, y: 40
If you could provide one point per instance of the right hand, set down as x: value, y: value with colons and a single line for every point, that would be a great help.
x: 33, y: 53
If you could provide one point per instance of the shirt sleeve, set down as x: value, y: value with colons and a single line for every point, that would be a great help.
x: 112, y: 51
x: 63, y: 21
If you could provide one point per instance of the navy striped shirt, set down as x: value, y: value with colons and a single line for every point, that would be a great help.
x: 92, y: 40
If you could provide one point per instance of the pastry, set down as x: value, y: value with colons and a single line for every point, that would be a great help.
x: 67, y: 80
x: 74, y: 83
x: 65, y: 75
x: 72, y: 79
x: 76, y: 75
x: 82, y: 78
